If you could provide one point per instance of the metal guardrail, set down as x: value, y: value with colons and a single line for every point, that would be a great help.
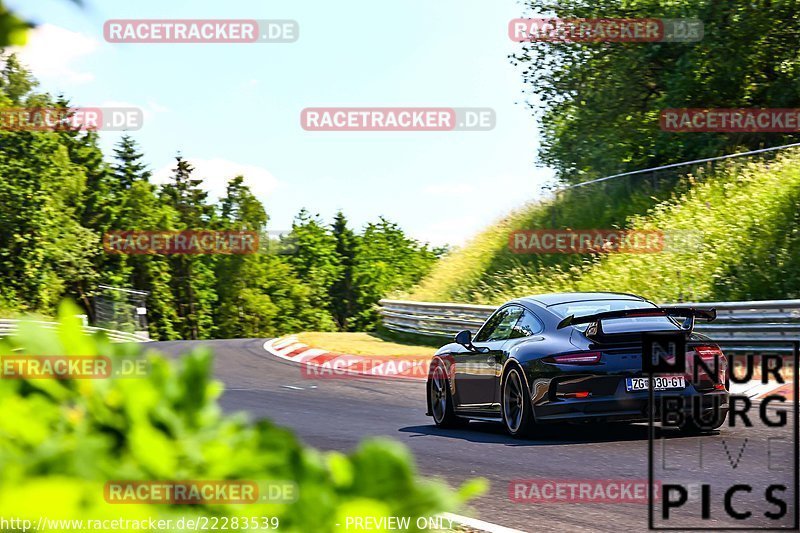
x: 756, y: 321
x: 10, y: 326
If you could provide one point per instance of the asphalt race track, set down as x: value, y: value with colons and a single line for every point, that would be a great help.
x: 335, y: 414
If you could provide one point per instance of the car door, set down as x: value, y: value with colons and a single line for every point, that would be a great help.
x: 476, y: 370
x: 528, y: 329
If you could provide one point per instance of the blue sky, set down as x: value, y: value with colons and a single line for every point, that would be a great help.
x: 235, y: 108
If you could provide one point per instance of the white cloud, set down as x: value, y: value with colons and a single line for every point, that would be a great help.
x: 52, y: 53
x: 216, y: 173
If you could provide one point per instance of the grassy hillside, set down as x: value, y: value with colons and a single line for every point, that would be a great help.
x: 743, y: 216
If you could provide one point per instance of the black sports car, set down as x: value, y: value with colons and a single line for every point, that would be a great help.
x: 575, y: 357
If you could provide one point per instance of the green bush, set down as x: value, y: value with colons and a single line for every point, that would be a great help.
x: 61, y: 440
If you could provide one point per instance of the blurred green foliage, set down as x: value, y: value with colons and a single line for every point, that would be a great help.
x: 61, y: 440
x: 13, y: 30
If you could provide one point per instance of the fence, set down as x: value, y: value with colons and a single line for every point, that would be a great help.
x: 756, y: 321
x: 121, y: 309
x: 9, y: 326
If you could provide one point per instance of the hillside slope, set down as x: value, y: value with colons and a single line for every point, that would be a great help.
x: 743, y: 218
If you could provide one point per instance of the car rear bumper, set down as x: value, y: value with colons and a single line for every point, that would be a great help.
x: 633, y: 406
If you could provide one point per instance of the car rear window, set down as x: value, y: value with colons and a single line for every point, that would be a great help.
x: 591, y: 307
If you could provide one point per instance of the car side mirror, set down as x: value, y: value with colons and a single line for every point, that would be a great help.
x: 464, y: 338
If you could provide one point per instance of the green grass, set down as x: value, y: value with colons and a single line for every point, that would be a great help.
x: 414, y: 339
x: 367, y: 344
x: 745, y: 214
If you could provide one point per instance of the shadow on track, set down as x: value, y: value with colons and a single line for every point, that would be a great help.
x: 548, y: 435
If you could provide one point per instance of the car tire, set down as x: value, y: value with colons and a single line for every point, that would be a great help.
x: 515, y: 404
x: 441, y: 401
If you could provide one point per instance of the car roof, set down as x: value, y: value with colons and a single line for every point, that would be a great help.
x: 556, y: 298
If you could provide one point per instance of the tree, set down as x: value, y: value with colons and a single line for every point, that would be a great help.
x: 240, y: 210
x: 600, y: 103
x: 129, y: 168
x: 153, y: 273
x: 43, y: 247
x: 58, y: 197
x: 187, y: 196
x: 192, y: 276
x: 387, y: 261
x: 242, y: 280
x: 343, y: 293
x: 316, y: 262
x: 44, y: 250
x: 16, y: 81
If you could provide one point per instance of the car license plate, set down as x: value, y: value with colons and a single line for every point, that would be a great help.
x: 659, y: 383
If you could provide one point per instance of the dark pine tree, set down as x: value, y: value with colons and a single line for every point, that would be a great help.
x: 192, y: 282
x: 129, y: 169
x: 342, y: 291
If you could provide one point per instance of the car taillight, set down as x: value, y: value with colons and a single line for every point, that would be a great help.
x: 578, y: 358
x: 710, y: 354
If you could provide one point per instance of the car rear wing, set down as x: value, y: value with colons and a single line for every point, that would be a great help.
x: 690, y: 313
